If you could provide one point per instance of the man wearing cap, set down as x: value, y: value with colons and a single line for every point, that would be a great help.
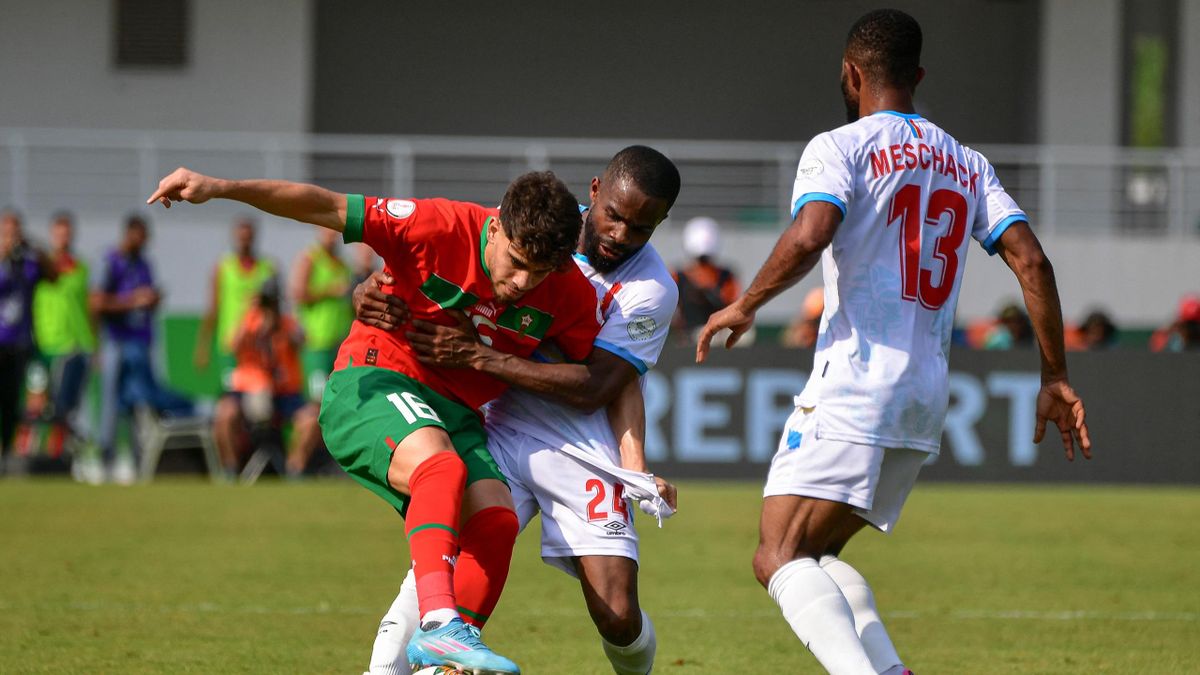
x: 704, y: 286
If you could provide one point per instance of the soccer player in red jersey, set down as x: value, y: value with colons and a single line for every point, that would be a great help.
x: 409, y: 432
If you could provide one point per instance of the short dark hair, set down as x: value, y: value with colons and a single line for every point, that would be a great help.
x: 541, y: 216
x: 886, y: 43
x: 136, y: 220
x: 62, y: 216
x: 649, y: 169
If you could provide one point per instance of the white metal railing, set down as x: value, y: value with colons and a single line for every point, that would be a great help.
x: 1094, y: 190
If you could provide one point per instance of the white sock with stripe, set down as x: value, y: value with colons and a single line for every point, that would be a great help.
x: 820, y: 616
x: 637, y: 657
x: 872, y: 634
x: 395, y: 630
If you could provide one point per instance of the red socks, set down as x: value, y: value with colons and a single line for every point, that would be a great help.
x: 486, y: 548
x: 436, y: 491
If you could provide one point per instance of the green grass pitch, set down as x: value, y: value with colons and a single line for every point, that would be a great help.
x: 187, y: 577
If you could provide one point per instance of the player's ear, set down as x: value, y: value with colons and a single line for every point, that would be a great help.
x: 595, y: 189
x: 920, y: 76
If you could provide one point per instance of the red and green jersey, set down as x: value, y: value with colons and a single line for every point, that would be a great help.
x: 434, y: 250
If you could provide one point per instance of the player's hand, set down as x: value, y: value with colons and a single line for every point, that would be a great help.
x: 1057, y: 401
x: 668, y: 492
x: 456, y: 346
x: 184, y: 185
x: 733, y: 317
x: 374, y: 307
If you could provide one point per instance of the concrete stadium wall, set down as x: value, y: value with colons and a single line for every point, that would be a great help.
x: 698, y: 69
x: 249, y: 69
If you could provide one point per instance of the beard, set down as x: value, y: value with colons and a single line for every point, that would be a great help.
x: 851, y: 101
x: 591, y: 248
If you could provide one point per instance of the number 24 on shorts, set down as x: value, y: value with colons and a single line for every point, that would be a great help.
x: 595, y: 512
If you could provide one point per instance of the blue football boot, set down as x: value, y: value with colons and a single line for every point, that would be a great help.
x: 454, y: 643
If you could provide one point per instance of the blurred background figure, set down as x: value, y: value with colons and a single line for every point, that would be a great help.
x: 321, y: 283
x: 1183, y: 333
x: 704, y: 285
x: 266, y: 389
x: 21, y: 267
x: 235, y: 283
x: 1096, y: 332
x: 127, y: 302
x: 64, y: 328
x: 1011, y: 330
x: 802, y: 332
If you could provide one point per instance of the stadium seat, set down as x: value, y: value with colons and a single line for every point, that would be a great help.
x: 157, y: 434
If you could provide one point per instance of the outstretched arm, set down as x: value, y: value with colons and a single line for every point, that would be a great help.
x: 298, y: 201
x: 794, y: 255
x: 1057, y: 401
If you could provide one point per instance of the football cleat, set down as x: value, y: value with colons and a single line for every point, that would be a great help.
x: 454, y: 644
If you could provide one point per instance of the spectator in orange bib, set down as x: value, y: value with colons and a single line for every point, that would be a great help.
x: 267, y: 386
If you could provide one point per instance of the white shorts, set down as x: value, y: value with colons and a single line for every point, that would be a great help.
x: 875, y: 481
x: 583, y: 511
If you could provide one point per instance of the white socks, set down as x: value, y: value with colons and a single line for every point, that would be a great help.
x: 389, y: 657
x: 636, y: 658
x: 818, y: 613
x: 871, y: 633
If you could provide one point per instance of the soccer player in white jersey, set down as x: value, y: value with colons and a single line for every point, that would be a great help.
x: 553, y: 433
x: 886, y: 203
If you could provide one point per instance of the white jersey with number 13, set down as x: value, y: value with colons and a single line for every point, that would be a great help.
x: 909, y: 195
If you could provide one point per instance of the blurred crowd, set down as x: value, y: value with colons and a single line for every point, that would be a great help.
x: 63, y: 327
x: 60, y: 324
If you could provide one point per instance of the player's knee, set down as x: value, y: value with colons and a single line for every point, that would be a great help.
x: 620, y: 623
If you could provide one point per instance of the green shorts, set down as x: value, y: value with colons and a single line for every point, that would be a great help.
x: 318, y: 364
x: 366, y: 412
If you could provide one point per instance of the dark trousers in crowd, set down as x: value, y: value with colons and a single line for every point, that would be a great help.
x: 13, y: 362
x: 127, y: 381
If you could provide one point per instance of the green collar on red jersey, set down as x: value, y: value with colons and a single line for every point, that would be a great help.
x: 483, y: 246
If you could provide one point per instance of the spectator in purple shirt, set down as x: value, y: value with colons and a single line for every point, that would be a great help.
x: 21, y: 267
x: 127, y: 303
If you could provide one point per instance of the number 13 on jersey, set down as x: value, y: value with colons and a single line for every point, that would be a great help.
x: 919, y: 283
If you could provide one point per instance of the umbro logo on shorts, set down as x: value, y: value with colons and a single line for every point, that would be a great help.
x: 615, y: 528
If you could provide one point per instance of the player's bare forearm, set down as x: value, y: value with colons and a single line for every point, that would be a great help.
x: 795, y: 254
x: 627, y: 417
x: 1023, y: 253
x: 586, y: 386
x: 297, y: 201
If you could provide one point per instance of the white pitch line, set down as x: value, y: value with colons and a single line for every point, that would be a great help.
x: 688, y: 613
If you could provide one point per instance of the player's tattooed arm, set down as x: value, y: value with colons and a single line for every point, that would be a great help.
x: 298, y: 201
x: 374, y: 307
x: 1057, y: 401
x: 795, y: 254
x: 627, y: 416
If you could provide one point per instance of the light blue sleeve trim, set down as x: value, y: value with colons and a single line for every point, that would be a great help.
x: 818, y: 197
x: 623, y: 353
x: 582, y: 208
x: 989, y: 244
x: 580, y: 257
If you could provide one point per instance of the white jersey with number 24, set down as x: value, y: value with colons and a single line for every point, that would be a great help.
x: 909, y: 195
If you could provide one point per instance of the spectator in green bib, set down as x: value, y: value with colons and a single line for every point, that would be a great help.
x: 320, y: 286
x: 64, y: 329
x: 235, y: 283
